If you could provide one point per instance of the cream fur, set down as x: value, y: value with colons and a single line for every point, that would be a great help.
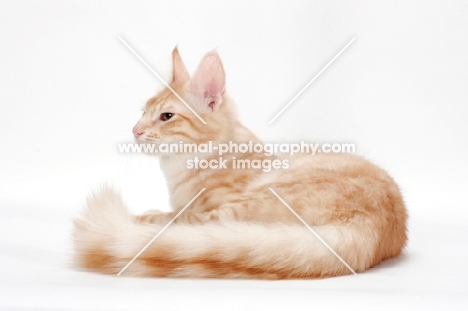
x: 237, y: 227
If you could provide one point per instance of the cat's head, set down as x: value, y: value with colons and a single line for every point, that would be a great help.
x: 166, y: 118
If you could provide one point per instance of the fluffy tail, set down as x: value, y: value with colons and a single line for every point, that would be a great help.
x: 106, y: 238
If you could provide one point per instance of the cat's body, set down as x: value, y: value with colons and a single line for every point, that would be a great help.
x: 237, y: 227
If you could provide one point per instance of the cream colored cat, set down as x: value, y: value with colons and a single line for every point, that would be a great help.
x: 237, y: 228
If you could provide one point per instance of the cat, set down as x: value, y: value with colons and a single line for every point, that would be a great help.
x: 238, y: 228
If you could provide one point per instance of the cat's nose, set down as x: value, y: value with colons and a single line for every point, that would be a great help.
x: 137, y: 132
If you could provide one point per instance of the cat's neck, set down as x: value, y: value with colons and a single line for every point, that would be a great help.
x: 176, y: 167
x: 174, y: 164
x: 242, y: 134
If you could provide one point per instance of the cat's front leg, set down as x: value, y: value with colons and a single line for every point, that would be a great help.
x: 188, y: 217
x: 153, y: 216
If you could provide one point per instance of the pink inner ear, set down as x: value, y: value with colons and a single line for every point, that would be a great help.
x: 208, y: 82
x: 211, y: 105
x: 209, y: 77
x: 214, y: 89
x: 210, y: 100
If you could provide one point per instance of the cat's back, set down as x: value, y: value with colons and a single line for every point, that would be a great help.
x: 325, y: 167
x: 330, y: 185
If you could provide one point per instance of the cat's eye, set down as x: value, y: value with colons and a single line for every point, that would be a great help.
x: 166, y: 116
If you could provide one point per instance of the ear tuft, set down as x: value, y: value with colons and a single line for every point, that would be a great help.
x: 208, y: 82
x: 180, y: 75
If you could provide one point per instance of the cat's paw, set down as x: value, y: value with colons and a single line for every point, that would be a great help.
x: 151, y: 217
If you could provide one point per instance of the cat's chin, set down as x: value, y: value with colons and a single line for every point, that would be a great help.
x: 156, y: 141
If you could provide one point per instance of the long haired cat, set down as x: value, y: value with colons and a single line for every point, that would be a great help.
x: 237, y: 228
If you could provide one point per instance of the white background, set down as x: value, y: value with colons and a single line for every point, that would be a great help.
x: 70, y: 91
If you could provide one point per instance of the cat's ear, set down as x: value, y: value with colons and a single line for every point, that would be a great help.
x: 180, y: 75
x: 208, y: 82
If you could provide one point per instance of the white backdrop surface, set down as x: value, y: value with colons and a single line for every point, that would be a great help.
x: 70, y: 92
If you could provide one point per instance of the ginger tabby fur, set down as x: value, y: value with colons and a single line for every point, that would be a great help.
x: 237, y: 228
